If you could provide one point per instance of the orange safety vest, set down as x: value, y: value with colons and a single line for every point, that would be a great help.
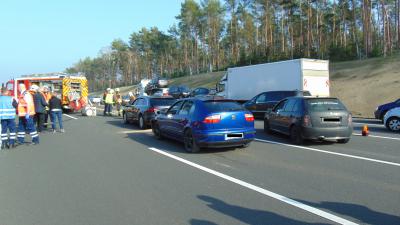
x: 24, y: 106
x: 47, y: 96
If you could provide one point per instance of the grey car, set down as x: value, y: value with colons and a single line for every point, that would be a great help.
x: 310, y: 118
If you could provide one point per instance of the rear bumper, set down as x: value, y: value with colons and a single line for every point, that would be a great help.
x: 218, y: 139
x: 327, y: 133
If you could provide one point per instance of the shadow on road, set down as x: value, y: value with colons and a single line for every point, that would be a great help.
x: 201, y: 222
x: 364, y: 214
x: 146, y: 137
x: 246, y: 215
x: 284, y: 139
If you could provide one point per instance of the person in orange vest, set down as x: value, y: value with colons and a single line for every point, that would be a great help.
x: 47, y: 96
x: 26, y: 111
x: 118, y: 101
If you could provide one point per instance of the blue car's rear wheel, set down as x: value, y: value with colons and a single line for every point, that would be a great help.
x: 190, y: 142
x: 157, y: 131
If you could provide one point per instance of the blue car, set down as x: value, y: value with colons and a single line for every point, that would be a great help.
x: 383, y: 109
x: 206, y: 123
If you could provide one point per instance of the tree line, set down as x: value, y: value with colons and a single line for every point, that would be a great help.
x: 211, y: 35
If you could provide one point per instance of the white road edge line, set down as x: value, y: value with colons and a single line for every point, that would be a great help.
x: 70, y: 116
x: 263, y: 191
x: 332, y: 153
x: 383, y: 137
x: 135, y: 131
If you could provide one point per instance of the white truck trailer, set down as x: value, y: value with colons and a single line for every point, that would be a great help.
x: 243, y: 83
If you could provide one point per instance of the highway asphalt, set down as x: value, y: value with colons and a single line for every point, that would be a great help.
x: 102, y: 171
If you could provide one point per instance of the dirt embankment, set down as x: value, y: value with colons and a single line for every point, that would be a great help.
x: 363, y: 85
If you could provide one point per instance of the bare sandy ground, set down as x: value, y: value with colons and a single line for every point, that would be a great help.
x: 363, y: 85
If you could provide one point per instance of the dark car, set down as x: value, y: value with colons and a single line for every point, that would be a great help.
x: 201, y: 91
x: 383, y: 109
x: 206, y: 123
x: 310, y: 118
x: 143, y: 110
x: 179, y: 91
x: 261, y: 103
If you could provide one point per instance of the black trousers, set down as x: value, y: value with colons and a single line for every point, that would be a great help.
x: 39, y: 120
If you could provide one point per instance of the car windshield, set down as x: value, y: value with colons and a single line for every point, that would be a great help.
x: 202, y: 91
x: 162, y: 101
x: 318, y: 105
x: 184, y: 89
x: 221, y: 106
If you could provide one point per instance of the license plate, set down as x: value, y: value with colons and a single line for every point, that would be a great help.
x: 233, y: 136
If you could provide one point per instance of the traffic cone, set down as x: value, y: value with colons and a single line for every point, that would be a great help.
x: 365, y: 131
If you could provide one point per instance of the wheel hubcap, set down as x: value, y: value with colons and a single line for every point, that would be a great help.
x: 394, y: 125
x: 141, y: 122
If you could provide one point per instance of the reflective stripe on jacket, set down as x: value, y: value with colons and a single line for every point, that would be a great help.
x: 7, y: 110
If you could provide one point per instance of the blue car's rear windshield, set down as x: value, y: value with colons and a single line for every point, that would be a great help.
x: 162, y: 101
x: 318, y: 105
x: 221, y: 106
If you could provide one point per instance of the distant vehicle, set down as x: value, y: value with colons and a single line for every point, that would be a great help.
x: 243, y: 83
x: 206, y: 123
x: 392, y: 119
x: 159, y: 92
x: 382, y: 109
x: 95, y: 99
x: 155, y: 84
x: 310, y: 118
x: 201, y: 91
x: 179, y: 91
x: 144, y: 109
x: 265, y: 101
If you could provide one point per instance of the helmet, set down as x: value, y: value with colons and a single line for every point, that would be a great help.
x: 111, y: 91
x: 130, y: 93
x: 108, y: 89
x: 117, y: 89
x: 34, y: 88
x: 45, y: 88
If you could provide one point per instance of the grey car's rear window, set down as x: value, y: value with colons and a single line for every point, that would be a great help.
x: 162, y: 101
x: 318, y: 105
x: 220, y: 106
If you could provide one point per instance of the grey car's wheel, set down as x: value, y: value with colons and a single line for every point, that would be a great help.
x: 142, y: 125
x: 267, y: 128
x: 393, y: 123
x: 190, y: 142
x: 125, y: 118
x: 156, y: 131
x: 296, y: 136
x: 343, y: 141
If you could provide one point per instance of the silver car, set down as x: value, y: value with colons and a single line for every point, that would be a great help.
x: 310, y: 118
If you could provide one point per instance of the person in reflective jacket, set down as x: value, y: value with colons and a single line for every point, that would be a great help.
x: 26, y: 111
x: 7, y: 116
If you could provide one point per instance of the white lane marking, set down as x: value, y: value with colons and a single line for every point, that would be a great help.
x: 332, y: 153
x: 135, y: 131
x: 263, y: 191
x: 70, y: 116
x: 383, y: 137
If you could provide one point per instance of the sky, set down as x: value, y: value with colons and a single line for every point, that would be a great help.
x: 42, y: 36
